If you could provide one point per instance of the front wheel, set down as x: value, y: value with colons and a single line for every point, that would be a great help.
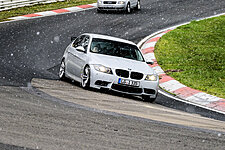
x: 138, y: 6
x: 99, y: 11
x: 85, y: 77
x: 148, y: 99
x: 62, y: 70
x: 128, y: 9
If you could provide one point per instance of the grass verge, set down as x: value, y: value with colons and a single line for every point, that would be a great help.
x: 197, y: 50
x: 4, y: 15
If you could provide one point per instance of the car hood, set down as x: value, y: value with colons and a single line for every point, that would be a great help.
x: 120, y: 63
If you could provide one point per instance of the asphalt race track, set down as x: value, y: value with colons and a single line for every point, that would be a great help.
x: 39, y: 112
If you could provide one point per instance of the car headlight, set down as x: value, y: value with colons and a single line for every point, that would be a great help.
x: 100, y: 2
x: 152, y: 77
x: 121, y: 2
x: 102, y: 68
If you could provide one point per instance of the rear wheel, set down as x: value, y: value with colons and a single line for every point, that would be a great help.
x: 85, y: 78
x: 62, y: 70
x: 148, y: 99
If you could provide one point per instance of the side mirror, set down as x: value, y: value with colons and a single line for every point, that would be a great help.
x: 150, y: 62
x: 73, y: 38
x: 80, y: 48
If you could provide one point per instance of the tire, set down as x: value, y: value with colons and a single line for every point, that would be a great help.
x: 128, y: 9
x: 85, y: 77
x: 99, y: 11
x: 138, y: 6
x: 148, y: 99
x: 62, y: 70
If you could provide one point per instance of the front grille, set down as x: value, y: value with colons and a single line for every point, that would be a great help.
x: 109, y: 2
x: 127, y: 74
x: 149, y: 91
x: 126, y: 89
x: 136, y: 75
x: 122, y: 73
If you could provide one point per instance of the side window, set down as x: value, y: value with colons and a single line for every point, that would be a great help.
x: 85, y: 42
x: 78, y: 41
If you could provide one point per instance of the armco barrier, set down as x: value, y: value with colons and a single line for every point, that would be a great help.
x: 10, y: 4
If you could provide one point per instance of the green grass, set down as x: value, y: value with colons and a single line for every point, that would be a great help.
x: 198, y: 50
x: 4, y: 15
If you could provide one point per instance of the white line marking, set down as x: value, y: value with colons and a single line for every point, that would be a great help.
x: 158, y: 70
x: 151, y: 44
x: 149, y: 56
x: 172, y: 85
x: 74, y: 9
x: 203, y: 98
x: 46, y: 13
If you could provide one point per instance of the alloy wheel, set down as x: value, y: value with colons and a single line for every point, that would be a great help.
x: 62, y: 70
x: 128, y: 10
x: 138, y: 5
x: 85, y: 81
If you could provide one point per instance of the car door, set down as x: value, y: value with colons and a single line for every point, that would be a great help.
x: 76, y: 58
x: 82, y: 56
x: 71, y: 57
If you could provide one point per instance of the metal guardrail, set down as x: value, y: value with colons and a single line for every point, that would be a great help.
x: 10, y: 4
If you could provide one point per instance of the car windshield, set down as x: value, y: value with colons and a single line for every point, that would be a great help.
x: 114, y: 48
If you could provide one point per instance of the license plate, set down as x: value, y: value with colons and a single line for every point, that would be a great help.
x: 128, y: 82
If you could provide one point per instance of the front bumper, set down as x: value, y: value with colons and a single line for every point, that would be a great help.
x: 111, y: 7
x: 110, y: 81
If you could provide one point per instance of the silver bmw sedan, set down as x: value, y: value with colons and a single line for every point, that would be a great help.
x: 101, y: 61
x: 126, y: 5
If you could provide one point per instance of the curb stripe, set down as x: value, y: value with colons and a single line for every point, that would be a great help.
x: 73, y: 9
x: 60, y: 10
x: 186, y: 92
x: 147, y: 45
x: 148, y: 50
x: 153, y: 39
x: 46, y: 13
x: 158, y: 70
x: 85, y: 6
x: 167, y: 31
x: 32, y: 15
x: 54, y: 12
x: 219, y: 105
x: 149, y: 56
x: 165, y: 78
x: 203, y: 98
x: 172, y: 85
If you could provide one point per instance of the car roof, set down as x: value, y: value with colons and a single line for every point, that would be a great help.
x: 100, y: 36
